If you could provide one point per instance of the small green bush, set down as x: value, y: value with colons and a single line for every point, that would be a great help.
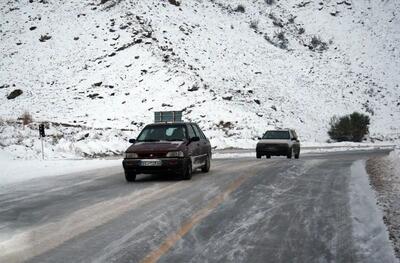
x: 352, y: 127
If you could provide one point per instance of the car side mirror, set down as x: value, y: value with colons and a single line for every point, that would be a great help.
x: 132, y: 140
x: 259, y: 138
x: 294, y: 139
x: 194, y: 139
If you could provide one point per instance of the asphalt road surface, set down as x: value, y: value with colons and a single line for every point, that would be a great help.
x: 243, y: 210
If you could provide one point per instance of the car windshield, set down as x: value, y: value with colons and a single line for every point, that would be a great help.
x: 162, y: 133
x: 276, y: 135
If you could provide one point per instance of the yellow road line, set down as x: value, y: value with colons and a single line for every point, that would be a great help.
x: 173, y: 238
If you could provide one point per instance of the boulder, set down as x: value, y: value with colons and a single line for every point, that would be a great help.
x: 14, y: 94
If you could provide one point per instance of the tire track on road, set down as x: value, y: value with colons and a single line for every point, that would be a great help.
x: 170, y: 241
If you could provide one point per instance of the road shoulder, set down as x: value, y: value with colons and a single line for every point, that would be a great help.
x: 384, y: 173
x: 369, y: 231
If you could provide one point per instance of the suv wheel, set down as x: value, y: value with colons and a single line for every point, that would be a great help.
x: 268, y: 156
x: 258, y: 156
x: 289, y: 155
x: 207, y: 165
x: 130, y: 176
x: 187, y: 173
x: 296, y: 156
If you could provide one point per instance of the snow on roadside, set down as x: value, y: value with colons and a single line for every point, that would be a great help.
x: 61, y: 142
x: 394, y: 157
x: 14, y: 171
x: 70, y: 142
x: 309, y: 148
x: 384, y: 175
x: 369, y: 232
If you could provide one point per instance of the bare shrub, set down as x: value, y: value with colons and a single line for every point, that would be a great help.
x: 266, y: 37
x: 254, y: 24
x: 317, y: 44
x: 275, y: 20
x: 26, y: 118
x: 240, y: 8
x: 269, y: 2
x: 280, y: 35
x: 272, y: 16
x: 282, y: 40
x: 278, y: 40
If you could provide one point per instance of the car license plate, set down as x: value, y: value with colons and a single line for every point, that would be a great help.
x: 150, y: 163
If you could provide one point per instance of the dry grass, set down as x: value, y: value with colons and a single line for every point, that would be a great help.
x: 26, y: 118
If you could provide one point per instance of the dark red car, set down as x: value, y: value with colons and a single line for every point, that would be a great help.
x: 174, y: 148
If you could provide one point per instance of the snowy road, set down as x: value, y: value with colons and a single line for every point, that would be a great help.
x: 244, y: 210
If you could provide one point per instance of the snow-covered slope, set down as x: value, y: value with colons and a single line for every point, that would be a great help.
x: 111, y: 63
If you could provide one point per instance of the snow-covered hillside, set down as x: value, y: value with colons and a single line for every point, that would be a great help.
x: 235, y: 67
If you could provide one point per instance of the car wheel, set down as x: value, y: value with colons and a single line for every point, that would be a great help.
x: 258, y: 156
x: 207, y: 166
x: 187, y: 174
x: 268, y: 156
x: 130, y: 176
x: 289, y: 155
x: 296, y: 156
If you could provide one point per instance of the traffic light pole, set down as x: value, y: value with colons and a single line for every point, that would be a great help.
x: 42, y: 134
x: 41, y: 138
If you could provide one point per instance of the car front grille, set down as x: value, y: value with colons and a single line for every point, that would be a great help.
x: 274, y: 147
x: 152, y: 155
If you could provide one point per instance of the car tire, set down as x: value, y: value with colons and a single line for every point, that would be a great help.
x: 268, y: 156
x: 289, y: 155
x: 130, y: 176
x: 206, y: 167
x: 258, y: 155
x: 187, y: 173
x: 296, y: 156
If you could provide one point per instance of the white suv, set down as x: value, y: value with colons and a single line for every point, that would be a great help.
x: 279, y: 142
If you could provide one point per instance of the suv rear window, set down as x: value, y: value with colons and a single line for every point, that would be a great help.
x: 162, y: 133
x: 277, y: 135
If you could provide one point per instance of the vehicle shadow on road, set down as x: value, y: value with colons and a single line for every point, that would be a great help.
x: 147, y: 178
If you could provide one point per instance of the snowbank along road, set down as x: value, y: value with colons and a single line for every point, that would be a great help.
x: 244, y: 210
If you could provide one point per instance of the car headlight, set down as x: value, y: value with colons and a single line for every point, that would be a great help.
x: 130, y: 155
x: 175, y: 154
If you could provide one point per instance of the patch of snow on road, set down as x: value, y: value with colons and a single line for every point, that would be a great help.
x: 369, y: 232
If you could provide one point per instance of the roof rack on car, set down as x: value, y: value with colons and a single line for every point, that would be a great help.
x: 167, y: 116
